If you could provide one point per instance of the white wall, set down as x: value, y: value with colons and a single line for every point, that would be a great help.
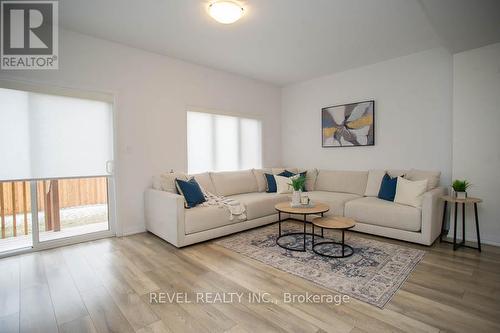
x: 151, y: 94
x: 476, y: 135
x: 412, y: 115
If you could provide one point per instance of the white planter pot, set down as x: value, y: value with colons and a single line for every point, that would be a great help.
x: 296, y: 198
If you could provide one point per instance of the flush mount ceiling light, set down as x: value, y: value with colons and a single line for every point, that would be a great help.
x: 225, y: 12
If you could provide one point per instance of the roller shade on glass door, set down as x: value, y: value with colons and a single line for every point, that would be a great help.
x: 50, y: 136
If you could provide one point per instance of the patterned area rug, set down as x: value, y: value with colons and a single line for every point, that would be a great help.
x: 372, y: 274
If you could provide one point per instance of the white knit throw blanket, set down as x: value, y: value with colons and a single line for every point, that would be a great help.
x: 235, y: 208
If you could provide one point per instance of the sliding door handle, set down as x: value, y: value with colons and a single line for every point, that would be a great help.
x: 109, y: 167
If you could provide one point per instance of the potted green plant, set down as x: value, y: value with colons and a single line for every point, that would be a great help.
x: 460, y: 188
x: 297, y: 183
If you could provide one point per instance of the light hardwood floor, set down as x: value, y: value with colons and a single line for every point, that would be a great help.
x: 104, y: 286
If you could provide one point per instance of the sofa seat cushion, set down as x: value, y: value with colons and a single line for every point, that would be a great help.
x: 201, y: 218
x: 260, y: 204
x: 384, y: 213
x: 335, y: 200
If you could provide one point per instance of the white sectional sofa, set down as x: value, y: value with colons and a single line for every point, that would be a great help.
x: 348, y: 193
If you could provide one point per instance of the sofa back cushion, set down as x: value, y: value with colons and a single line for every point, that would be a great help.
x: 311, y: 176
x: 234, y: 182
x: 205, y: 181
x: 341, y: 181
x: 261, y: 178
x: 373, y: 183
x: 397, y: 173
x: 432, y: 177
x: 277, y: 171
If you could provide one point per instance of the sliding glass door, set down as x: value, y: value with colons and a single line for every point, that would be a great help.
x: 72, y: 207
x: 56, y: 179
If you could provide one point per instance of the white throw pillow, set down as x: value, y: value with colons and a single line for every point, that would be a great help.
x: 410, y: 192
x: 282, y: 184
x: 374, y: 181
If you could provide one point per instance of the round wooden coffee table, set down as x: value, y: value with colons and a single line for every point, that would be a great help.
x: 333, y: 222
x: 284, y: 207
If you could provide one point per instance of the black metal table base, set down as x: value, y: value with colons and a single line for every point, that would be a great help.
x: 303, y: 249
x: 342, y: 244
x: 445, y: 232
x: 304, y: 233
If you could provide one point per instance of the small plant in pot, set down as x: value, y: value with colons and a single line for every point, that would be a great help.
x: 297, y: 183
x: 460, y: 187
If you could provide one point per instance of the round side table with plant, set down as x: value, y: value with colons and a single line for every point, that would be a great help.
x: 460, y: 188
x: 459, y: 197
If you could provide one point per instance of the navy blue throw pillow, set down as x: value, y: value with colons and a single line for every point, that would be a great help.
x: 191, y: 191
x: 287, y: 174
x: 271, y: 183
x: 388, y: 188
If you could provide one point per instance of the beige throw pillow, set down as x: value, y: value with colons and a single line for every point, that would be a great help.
x: 282, y: 184
x: 167, y: 181
x: 374, y: 181
x: 410, y: 192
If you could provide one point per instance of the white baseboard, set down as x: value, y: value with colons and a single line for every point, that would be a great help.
x: 494, y: 242
x: 132, y: 231
x: 484, y: 240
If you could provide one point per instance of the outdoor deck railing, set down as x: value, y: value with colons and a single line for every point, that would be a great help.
x: 8, y: 195
x: 52, y: 195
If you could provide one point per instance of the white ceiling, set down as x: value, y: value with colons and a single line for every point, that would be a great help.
x: 286, y: 41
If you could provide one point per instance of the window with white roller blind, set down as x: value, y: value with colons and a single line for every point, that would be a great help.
x: 56, y: 153
x: 223, y: 143
x: 51, y: 136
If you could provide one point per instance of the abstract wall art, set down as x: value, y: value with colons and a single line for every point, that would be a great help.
x: 348, y: 125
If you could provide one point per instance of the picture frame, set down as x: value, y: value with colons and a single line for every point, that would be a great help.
x: 348, y: 125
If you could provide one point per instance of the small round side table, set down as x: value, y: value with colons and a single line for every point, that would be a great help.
x: 338, y: 223
x: 463, y: 202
